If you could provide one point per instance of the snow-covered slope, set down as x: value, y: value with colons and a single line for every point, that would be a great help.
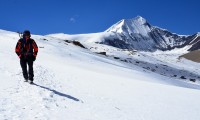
x: 78, y: 84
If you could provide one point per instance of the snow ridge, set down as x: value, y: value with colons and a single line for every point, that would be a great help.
x: 137, y: 34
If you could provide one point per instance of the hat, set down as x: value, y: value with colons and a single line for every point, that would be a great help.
x: 26, y: 33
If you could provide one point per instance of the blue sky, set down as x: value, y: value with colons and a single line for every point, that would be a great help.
x: 89, y: 16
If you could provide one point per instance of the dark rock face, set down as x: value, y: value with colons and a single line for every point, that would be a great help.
x: 195, y: 44
x: 77, y: 43
x: 102, y: 53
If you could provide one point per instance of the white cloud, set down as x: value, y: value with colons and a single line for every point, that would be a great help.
x: 74, y: 18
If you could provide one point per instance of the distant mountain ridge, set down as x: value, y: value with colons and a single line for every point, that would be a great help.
x: 138, y: 34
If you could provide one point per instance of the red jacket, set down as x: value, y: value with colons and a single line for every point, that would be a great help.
x: 26, y: 48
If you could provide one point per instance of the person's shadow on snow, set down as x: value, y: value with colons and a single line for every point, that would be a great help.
x: 58, y: 93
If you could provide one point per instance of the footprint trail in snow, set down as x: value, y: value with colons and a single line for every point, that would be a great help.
x: 45, y: 96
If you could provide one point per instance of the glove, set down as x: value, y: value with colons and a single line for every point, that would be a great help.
x: 21, y: 56
x: 33, y: 58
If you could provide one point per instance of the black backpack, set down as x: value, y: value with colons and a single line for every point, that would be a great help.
x: 24, y: 43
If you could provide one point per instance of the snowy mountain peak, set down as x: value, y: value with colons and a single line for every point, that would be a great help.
x: 140, y: 20
x: 137, y: 25
x: 138, y: 34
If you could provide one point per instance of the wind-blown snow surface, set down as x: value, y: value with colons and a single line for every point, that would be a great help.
x: 77, y: 84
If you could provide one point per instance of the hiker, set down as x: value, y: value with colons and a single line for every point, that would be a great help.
x: 27, y: 50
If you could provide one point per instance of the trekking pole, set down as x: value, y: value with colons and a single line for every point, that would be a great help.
x: 20, y: 34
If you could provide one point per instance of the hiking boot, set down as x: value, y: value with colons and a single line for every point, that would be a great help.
x: 31, y: 82
x: 25, y: 80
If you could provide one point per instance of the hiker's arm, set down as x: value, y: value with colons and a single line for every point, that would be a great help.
x: 35, y: 47
x: 17, y: 49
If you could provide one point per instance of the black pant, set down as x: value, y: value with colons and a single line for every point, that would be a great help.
x: 30, y: 74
